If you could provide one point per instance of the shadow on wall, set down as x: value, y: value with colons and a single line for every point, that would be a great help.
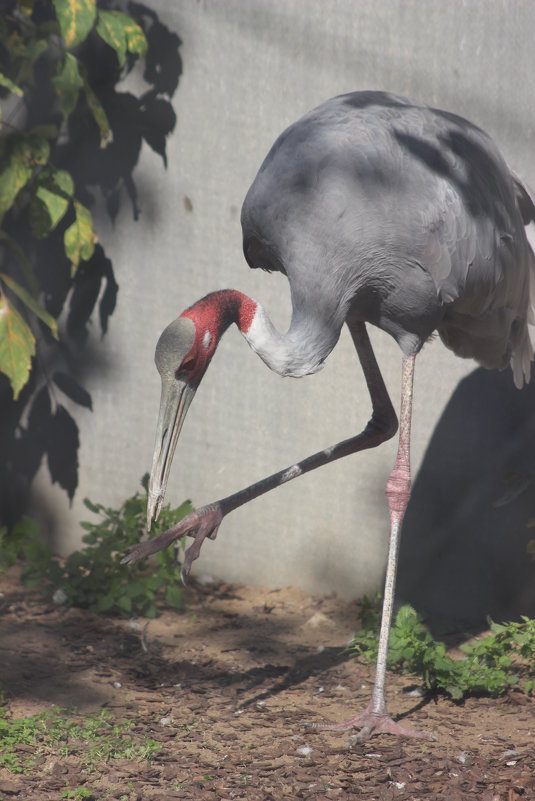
x: 38, y: 425
x: 463, y: 558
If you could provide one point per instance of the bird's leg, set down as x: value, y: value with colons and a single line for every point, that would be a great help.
x: 375, y: 718
x: 204, y: 522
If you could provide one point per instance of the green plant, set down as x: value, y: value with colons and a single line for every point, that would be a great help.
x: 94, y: 578
x: 92, y: 739
x: 71, y: 134
x: 490, y: 666
x: 24, y: 539
x: 49, y: 35
x: 515, y: 486
x: 77, y: 793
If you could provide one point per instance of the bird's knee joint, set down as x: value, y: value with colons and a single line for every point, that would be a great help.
x: 398, y: 489
x: 384, y: 424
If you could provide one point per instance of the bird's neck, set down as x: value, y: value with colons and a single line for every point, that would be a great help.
x: 296, y: 353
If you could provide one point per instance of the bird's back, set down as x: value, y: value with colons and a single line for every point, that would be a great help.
x: 404, y: 216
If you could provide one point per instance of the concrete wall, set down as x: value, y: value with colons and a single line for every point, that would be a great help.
x: 251, y: 67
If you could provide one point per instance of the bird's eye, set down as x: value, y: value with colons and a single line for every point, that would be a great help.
x: 187, y: 364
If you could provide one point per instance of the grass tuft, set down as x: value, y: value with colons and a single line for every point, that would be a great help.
x: 91, y: 739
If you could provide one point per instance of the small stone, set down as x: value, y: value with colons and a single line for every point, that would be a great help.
x: 317, y: 619
x: 415, y: 692
x: 59, y: 597
x: 206, y: 579
x: 9, y: 788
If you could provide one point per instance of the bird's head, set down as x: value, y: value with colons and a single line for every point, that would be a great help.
x: 183, y: 353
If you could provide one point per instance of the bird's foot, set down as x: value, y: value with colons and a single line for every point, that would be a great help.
x: 202, y: 523
x: 370, y: 723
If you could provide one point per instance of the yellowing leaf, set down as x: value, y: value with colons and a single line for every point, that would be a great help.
x: 79, y: 238
x: 50, y: 200
x: 110, y: 27
x: 31, y: 303
x: 122, y: 33
x: 17, y: 346
x: 13, y: 177
x: 99, y: 115
x: 35, y: 150
x: 4, y: 81
x: 25, y: 6
x: 67, y: 82
x: 135, y: 37
x: 76, y: 18
x: 21, y: 156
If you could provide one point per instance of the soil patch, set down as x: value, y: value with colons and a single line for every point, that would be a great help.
x: 224, y: 688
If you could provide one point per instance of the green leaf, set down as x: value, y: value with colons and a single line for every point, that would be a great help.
x: 99, y: 115
x: 173, y: 596
x: 67, y: 82
x: 26, y: 7
x: 31, y: 303
x: 151, y: 611
x: 110, y: 27
x: 124, y: 603
x: 121, y: 33
x: 32, y: 50
x: 46, y: 131
x: 79, y: 238
x: 36, y: 149
x: 135, y: 38
x: 17, y: 346
x: 23, y: 262
x: 4, y: 81
x: 21, y: 154
x: 76, y: 18
x: 13, y: 178
x: 50, y: 200
x: 96, y: 508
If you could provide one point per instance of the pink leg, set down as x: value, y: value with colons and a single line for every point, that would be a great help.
x: 375, y: 718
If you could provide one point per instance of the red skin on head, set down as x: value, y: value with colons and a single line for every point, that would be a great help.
x: 211, y: 316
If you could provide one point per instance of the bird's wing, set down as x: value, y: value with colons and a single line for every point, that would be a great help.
x: 525, y: 198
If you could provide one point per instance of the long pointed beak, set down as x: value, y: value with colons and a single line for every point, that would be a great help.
x: 174, y: 403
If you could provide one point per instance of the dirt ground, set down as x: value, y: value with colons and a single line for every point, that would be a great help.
x: 225, y: 686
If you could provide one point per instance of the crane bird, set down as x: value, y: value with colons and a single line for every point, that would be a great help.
x: 381, y: 211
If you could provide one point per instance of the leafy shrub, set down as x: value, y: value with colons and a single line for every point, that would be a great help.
x: 71, y: 134
x: 94, y: 578
x: 491, y: 665
x: 46, y: 37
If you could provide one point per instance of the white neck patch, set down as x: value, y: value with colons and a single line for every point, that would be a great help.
x: 207, y: 338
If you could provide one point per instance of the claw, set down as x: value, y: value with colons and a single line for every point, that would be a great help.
x: 200, y: 524
x: 370, y: 723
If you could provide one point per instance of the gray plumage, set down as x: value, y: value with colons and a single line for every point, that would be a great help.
x: 406, y: 216
x: 379, y: 211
